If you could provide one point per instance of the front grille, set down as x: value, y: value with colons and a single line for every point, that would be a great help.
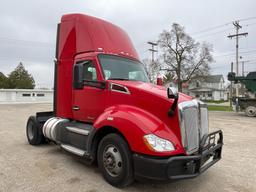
x: 204, y: 123
x: 193, y: 124
x: 191, y: 129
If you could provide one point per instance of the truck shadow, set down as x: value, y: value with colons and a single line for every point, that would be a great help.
x: 82, y: 164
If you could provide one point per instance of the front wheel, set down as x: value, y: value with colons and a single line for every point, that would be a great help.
x: 115, y: 160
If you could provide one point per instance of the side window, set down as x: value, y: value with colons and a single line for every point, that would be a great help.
x: 89, y: 71
x: 84, y: 70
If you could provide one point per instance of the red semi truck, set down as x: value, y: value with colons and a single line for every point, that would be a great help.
x: 106, y: 110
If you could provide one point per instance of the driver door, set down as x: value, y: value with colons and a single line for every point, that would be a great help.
x: 88, y: 99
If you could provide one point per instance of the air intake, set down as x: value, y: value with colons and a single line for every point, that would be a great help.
x: 119, y: 88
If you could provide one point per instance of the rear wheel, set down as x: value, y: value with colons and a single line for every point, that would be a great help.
x: 250, y: 111
x: 34, y: 132
x: 115, y: 161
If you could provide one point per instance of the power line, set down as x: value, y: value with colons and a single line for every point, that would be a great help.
x: 246, y: 19
x: 233, y: 53
x: 194, y: 33
x: 221, y: 26
x: 208, y: 35
x: 27, y: 59
x: 210, y: 29
x: 212, y: 34
x: 250, y: 24
x: 27, y: 42
x: 227, y: 65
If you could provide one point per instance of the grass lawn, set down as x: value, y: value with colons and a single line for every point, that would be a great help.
x: 219, y: 108
x: 217, y: 102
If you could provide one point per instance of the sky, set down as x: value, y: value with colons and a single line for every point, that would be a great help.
x: 28, y: 29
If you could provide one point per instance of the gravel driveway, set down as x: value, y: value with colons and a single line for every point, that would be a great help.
x: 47, y: 168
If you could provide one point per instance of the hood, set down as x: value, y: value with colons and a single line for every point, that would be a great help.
x: 156, y: 90
x: 153, y: 101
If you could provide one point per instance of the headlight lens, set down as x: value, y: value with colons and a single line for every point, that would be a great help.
x: 158, y: 144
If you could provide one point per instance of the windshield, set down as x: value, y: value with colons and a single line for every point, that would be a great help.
x: 119, y: 68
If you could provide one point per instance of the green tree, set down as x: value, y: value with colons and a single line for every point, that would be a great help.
x: 20, y: 79
x: 168, y: 77
x: 3, y: 81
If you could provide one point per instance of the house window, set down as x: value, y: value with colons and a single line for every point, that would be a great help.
x: 197, y: 84
x: 209, y: 94
x: 26, y: 95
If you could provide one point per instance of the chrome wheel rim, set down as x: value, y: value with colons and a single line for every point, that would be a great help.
x: 112, y: 160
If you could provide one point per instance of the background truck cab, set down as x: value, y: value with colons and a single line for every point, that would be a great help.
x: 107, y: 111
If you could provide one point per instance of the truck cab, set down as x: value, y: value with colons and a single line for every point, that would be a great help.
x: 93, y: 73
x: 106, y: 110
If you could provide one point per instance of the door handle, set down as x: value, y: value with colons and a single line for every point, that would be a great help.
x: 76, y: 108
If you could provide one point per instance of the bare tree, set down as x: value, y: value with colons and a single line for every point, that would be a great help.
x: 152, y: 69
x: 183, y: 55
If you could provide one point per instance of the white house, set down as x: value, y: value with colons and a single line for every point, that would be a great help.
x: 206, y: 88
x: 26, y: 95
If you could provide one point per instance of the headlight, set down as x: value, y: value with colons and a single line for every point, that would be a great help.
x: 158, y: 144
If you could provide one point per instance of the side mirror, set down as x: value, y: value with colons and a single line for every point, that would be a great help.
x: 78, y: 76
x: 172, y: 93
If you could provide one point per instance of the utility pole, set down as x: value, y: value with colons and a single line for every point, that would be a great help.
x: 153, y: 63
x: 152, y: 50
x: 237, y: 35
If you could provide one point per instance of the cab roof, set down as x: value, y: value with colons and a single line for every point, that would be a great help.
x: 82, y: 33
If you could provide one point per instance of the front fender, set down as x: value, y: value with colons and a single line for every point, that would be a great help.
x: 134, y: 123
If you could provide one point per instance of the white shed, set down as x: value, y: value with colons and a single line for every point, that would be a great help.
x: 26, y: 96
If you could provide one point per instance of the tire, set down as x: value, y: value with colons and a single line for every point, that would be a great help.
x: 250, y: 111
x: 115, y: 160
x: 34, y: 131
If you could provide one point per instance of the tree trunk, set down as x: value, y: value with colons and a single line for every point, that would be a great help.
x: 180, y: 86
x: 178, y: 75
